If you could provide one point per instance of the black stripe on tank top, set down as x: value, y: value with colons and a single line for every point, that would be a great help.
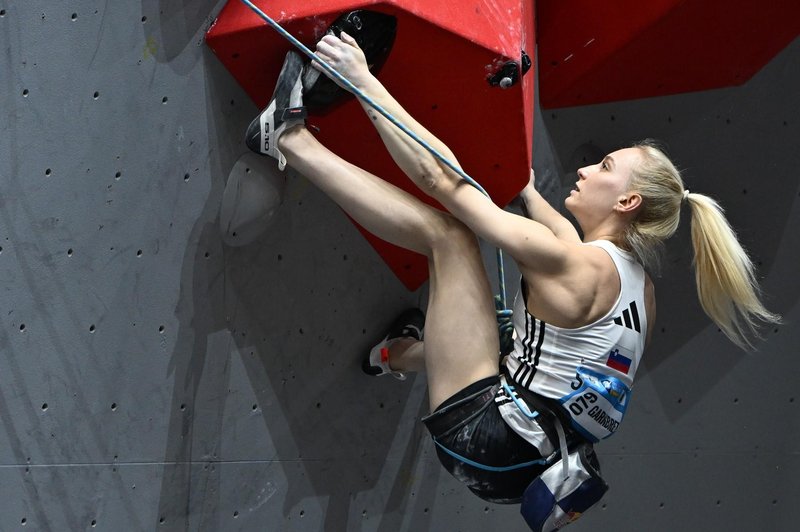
x: 529, y: 326
x: 531, y: 337
x: 538, y: 354
x: 635, y: 315
x: 522, y: 370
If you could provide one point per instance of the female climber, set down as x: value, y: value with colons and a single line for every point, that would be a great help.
x: 586, y: 306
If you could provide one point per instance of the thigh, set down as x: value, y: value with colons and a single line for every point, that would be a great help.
x: 461, y: 337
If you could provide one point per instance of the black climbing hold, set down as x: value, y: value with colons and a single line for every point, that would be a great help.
x: 374, y: 32
x: 510, y: 72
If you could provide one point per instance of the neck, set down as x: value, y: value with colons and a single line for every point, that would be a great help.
x: 610, y: 231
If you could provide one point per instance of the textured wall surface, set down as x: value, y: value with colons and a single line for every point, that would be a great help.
x: 152, y: 378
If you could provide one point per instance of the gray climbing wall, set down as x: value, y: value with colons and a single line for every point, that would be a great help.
x: 152, y: 378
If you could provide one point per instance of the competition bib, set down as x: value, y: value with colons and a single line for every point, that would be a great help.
x: 597, y: 405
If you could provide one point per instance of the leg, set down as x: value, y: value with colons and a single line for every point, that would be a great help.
x: 461, y: 340
x: 380, y: 207
x: 407, y: 355
x: 461, y: 343
x: 461, y: 337
x: 431, y: 176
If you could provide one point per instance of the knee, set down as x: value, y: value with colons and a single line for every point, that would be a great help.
x: 450, y: 234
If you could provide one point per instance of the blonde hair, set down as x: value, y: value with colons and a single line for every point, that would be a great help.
x: 725, y: 275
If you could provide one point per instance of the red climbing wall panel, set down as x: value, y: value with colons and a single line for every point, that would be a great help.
x: 437, y: 70
x: 594, y: 51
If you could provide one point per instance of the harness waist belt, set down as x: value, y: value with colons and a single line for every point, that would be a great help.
x: 459, y: 412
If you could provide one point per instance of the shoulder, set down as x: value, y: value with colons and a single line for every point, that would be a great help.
x: 590, y: 259
x: 579, y: 265
x: 584, y: 290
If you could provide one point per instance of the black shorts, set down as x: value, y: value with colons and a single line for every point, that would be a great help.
x: 495, y: 462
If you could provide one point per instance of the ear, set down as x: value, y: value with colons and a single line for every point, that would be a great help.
x: 628, y: 203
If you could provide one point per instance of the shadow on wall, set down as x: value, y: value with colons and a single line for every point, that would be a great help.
x: 331, y: 427
x: 179, y: 24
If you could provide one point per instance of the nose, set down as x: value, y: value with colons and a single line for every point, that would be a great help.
x: 582, y: 173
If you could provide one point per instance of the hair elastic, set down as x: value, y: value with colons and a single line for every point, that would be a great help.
x: 685, y: 194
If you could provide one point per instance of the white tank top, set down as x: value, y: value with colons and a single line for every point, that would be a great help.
x: 546, y: 358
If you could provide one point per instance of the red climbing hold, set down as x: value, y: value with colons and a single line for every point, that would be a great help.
x: 439, y: 69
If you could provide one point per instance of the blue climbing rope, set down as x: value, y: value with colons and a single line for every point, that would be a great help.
x: 502, y: 313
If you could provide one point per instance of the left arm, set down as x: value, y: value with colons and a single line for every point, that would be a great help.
x: 529, y: 242
x: 423, y: 168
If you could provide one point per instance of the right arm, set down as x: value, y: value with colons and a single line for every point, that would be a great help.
x: 536, y: 208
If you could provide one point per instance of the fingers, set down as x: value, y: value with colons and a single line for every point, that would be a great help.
x: 331, y: 49
x: 316, y: 65
x: 344, y: 55
x: 326, y: 53
x: 337, y: 42
x: 326, y: 49
x: 348, y: 39
x: 331, y: 41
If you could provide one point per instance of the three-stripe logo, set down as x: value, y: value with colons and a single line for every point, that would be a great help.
x: 629, y: 318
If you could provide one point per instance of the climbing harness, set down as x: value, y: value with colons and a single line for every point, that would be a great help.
x: 503, y: 313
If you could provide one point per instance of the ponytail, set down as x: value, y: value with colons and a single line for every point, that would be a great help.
x: 725, y: 276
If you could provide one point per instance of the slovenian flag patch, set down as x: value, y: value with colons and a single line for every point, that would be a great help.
x: 618, y: 362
